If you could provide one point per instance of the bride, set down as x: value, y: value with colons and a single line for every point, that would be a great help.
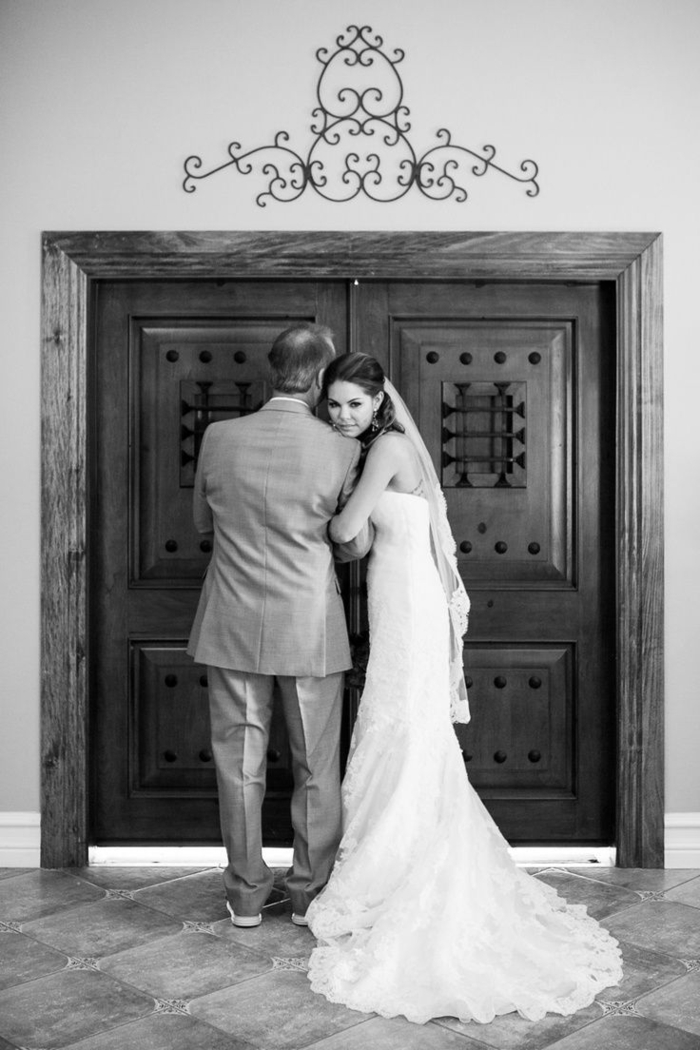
x: 425, y: 914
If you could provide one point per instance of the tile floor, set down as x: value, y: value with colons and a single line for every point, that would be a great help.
x: 146, y: 958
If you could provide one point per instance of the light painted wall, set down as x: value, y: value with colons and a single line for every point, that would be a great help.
x: 102, y: 101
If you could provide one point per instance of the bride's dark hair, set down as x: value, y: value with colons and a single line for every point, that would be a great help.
x: 367, y: 373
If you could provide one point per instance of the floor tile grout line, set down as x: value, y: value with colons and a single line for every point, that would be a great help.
x: 365, y: 1020
x: 237, y: 984
x: 67, y: 969
x: 664, y: 987
x: 310, y: 1046
x: 545, y: 1046
x: 600, y: 1003
x: 41, y: 944
x: 139, y: 1020
x: 135, y: 947
x: 657, y: 951
x: 434, y: 1021
x: 234, y: 984
x: 82, y: 877
x: 625, y: 906
x: 99, y: 959
x: 105, y: 897
x: 59, y: 908
x: 127, y: 986
x: 219, y: 1031
x: 628, y: 907
x: 685, y: 904
x: 187, y: 873
x: 474, y: 1043
x: 562, y: 1040
x: 685, y: 882
x: 31, y: 935
x: 662, y: 951
x: 577, y: 873
x: 350, y: 1027
x: 161, y: 911
x: 105, y: 890
x: 618, y: 885
x: 634, y: 1000
x: 592, y: 874
x: 22, y: 873
x: 642, y: 903
x: 260, y: 953
x: 670, y: 1025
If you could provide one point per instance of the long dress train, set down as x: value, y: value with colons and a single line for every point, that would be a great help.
x: 426, y: 915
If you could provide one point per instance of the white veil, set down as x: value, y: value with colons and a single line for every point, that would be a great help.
x: 444, y: 554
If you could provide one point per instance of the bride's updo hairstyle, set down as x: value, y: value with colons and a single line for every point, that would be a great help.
x: 366, y: 372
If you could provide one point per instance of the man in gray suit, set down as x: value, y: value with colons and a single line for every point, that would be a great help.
x: 267, y: 485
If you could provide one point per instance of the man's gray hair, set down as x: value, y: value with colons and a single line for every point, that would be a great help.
x: 297, y: 356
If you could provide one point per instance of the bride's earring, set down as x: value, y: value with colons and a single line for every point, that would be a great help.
x: 375, y: 425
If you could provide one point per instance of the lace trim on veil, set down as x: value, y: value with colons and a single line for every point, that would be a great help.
x: 444, y: 551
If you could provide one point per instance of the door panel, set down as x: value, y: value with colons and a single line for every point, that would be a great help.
x: 511, y: 387
x: 169, y: 728
x: 170, y: 358
x: 184, y: 376
x: 524, y: 738
x: 498, y: 417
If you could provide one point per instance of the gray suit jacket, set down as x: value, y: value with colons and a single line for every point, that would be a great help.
x: 267, y: 485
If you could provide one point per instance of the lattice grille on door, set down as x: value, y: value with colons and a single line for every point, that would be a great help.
x: 200, y: 404
x: 483, y: 435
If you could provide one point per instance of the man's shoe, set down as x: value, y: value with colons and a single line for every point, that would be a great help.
x: 243, y: 920
x: 299, y: 920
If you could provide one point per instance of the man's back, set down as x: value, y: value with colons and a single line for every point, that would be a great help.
x: 268, y: 484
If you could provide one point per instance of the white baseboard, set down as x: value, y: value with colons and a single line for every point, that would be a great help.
x: 20, y: 848
x: 20, y: 840
x: 682, y: 840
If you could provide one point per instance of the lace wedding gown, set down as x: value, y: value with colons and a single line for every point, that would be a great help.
x: 425, y: 914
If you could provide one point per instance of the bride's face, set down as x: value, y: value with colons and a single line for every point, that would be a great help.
x: 351, y: 409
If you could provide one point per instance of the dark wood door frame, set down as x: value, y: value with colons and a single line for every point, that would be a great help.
x: 73, y: 261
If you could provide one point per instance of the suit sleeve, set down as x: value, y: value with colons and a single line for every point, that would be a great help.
x: 203, y: 520
x: 360, y: 545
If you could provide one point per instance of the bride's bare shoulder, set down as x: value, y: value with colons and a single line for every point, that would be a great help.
x: 392, y: 445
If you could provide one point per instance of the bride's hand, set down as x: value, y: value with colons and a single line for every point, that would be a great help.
x: 383, y: 460
x: 335, y: 530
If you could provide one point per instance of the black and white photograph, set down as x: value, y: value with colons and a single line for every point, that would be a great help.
x: 351, y: 539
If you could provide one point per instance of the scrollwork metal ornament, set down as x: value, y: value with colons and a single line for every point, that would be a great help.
x: 361, y: 143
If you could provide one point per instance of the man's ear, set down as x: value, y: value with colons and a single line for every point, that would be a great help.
x: 320, y: 375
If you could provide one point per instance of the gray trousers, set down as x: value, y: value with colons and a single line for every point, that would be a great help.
x: 240, y: 705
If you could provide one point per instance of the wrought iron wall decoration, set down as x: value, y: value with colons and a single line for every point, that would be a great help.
x: 360, y: 103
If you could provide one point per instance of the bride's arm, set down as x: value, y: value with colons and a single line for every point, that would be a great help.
x: 382, y: 464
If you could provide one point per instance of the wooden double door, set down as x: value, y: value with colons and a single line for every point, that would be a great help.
x: 512, y: 386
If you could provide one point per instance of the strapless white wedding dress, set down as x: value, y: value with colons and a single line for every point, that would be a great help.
x: 425, y: 914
